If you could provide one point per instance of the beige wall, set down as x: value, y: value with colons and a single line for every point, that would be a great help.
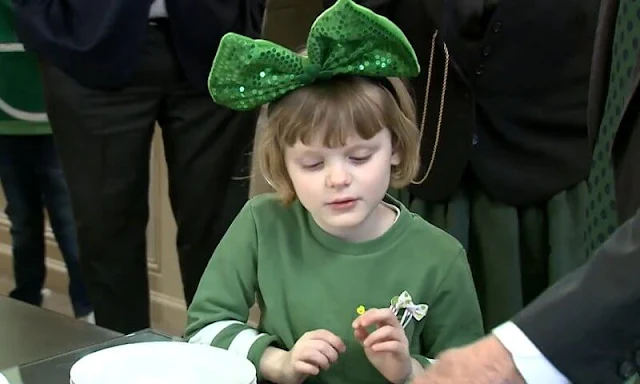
x: 167, y: 302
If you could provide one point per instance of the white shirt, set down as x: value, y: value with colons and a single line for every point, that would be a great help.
x: 159, y: 9
x: 530, y: 362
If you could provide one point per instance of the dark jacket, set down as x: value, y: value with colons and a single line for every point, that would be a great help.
x: 516, y: 97
x: 597, y: 308
x: 587, y: 324
x: 98, y: 42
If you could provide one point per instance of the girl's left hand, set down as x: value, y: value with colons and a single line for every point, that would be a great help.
x: 387, y: 348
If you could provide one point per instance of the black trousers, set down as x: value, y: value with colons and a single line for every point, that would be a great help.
x: 104, y: 139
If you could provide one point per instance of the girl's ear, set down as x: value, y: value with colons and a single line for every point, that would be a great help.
x: 395, y: 159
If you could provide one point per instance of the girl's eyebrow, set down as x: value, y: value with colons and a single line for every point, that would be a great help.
x: 360, y: 146
x: 306, y: 151
x: 311, y: 151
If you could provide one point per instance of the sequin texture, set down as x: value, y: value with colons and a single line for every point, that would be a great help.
x: 345, y: 39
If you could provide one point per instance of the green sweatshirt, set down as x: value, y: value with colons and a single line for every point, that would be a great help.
x: 306, y: 279
x: 22, y: 109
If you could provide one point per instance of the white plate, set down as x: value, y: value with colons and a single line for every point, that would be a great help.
x: 162, y: 362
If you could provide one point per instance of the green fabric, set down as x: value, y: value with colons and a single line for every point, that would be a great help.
x: 21, y: 96
x: 7, y: 25
x: 12, y: 375
x: 602, y: 213
x: 15, y: 128
x: 514, y: 252
x: 306, y: 279
x: 346, y: 39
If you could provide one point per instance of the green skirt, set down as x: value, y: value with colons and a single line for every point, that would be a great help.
x: 515, y: 253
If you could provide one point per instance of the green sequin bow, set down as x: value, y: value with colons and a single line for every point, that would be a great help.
x: 346, y: 39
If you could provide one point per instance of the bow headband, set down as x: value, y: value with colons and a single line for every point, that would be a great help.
x: 346, y: 39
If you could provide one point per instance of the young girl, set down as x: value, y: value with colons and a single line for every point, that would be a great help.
x: 346, y: 290
x: 505, y: 150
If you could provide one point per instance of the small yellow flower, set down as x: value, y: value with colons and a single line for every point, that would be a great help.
x: 360, y: 310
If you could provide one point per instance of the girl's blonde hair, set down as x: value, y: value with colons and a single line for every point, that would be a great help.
x: 337, y: 108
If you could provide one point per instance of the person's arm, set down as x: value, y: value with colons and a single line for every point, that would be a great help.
x: 587, y: 324
x: 527, y: 358
x: 69, y: 23
x: 220, y: 309
x: 454, y: 318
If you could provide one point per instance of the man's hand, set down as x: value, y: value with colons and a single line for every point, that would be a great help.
x: 484, y: 362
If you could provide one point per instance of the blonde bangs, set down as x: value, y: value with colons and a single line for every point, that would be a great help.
x: 335, y: 110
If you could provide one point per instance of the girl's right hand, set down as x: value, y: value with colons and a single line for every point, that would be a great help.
x: 314, y: 351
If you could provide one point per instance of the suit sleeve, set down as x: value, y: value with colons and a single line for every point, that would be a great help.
x: 220, y: 309
x: 68, y: 23
x: 587, y: 324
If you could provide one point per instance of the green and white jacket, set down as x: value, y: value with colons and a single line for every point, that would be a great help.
x: 22, y: 108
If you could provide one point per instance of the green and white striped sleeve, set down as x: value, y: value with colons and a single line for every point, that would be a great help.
x: 220, y: 309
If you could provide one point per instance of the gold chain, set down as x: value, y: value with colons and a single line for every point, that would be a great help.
x: 426, y: 103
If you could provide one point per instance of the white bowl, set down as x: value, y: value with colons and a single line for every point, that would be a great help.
x: 162, y: 362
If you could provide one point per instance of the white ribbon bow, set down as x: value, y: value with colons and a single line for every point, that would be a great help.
x: 404, y: 301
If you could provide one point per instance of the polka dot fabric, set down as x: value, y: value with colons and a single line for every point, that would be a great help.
x: 601, y: 212
x: 345, y: 39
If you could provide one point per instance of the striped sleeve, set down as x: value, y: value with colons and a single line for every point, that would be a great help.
x: 220, y: 309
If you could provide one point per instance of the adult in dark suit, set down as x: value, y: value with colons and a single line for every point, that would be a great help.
x: 585, y: 329
x: 111, y: 70
x: 505, y: 147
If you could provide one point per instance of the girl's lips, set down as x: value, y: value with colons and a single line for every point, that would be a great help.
x: 343, y: 204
